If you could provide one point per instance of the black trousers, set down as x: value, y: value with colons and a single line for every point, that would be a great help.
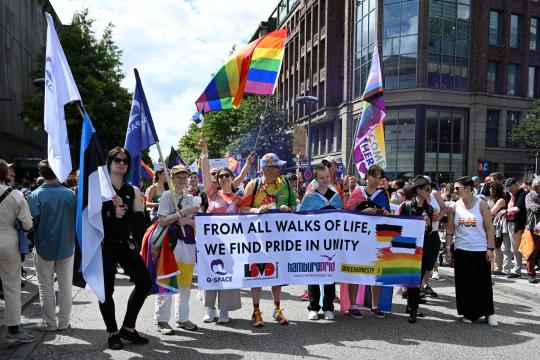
x: 432, y: 245
x: 120, y: 253
x: 314, y: 292
x: 474, y: 292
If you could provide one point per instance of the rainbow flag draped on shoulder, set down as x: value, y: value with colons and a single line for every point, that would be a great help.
x: 252, y: 70
x: 369, y: 147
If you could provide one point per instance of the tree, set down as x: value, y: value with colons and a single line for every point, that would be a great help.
x: 96, y: 68
x: 528, y: 131
x: 236, y: 131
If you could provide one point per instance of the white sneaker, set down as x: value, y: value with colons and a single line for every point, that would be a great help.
x: 313, y: 315
x: 210, y: 315
x: 492, y: 320
x: 43, y: 326
x: 328, y: 315
x: 223, y: 317
x: 466, y: 321
x: 435, y: 275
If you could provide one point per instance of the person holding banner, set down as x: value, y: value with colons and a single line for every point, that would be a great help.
x: 269, y: 192
x: 370, y: 200
x: 469, y: 223
x: 122, y: 217
x: 181, y: 231
x: 419, y: 206
x: 320, y: 197
x: 222, y: 201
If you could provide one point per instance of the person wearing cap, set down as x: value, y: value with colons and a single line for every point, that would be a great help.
x: 123, y: 219
x: 419, y: 206
x: 269, y: 192
x: 471, y: 232
x: 516, y: 217
x: 53, y: 208
x: 176, y: 210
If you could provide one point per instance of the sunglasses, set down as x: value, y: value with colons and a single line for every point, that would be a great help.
x: 213, y: 174
x: 457, y: 188
x: 427, y: 188
x: 119, y: 160
x: 226, y: 175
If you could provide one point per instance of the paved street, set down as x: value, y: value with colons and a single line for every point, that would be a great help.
x: 439, y: 335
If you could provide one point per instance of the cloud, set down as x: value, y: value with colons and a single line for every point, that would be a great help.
x: 175, y: 44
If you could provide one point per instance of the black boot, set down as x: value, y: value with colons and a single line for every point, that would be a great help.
x: 412, y: 317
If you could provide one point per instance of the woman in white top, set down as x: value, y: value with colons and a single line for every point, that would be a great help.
x: 469, y: 223
x: 12, y: 206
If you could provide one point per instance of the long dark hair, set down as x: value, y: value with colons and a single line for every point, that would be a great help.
x: 498, y: 191
x: 113, y: 153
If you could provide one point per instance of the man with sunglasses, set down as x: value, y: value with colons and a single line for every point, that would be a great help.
x: 271, y: 191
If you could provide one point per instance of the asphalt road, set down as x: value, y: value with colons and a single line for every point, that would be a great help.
x: 438, y: 336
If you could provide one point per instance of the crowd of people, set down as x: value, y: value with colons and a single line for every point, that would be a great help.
x: 481, y: 228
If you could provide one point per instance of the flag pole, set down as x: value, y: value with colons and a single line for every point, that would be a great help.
x: 263, y: 115
x: 169, y: 181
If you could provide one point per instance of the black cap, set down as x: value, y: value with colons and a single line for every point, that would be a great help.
x: 420, y: 182
x: 509, y: 182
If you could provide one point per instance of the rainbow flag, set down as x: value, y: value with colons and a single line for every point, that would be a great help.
x: 147, y: 173
x: 369, y: 147
x: 252, y: 70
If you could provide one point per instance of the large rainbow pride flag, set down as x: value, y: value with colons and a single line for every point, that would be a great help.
x: 369, y: 147
x: 252, y: 70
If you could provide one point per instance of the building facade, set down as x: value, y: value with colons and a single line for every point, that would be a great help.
x: 23, y: 30
x: 458, y: 76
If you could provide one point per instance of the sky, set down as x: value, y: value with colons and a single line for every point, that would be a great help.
x: 175, y: 44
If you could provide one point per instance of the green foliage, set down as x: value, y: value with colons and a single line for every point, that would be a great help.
x: 235, y: 131
x: 528, y: 131
x: 96, y: 68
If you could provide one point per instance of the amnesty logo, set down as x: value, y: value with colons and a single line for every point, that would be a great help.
x: 361, y: 269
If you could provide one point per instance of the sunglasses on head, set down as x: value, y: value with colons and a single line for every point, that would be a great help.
x: 120, y: 160
x: 226, y: 175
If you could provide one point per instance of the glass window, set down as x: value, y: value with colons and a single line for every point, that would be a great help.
x: 444, y: 144
x: 532, y: 89
x: 495, y: 24
x: 515, y: 31
x: 400, y: 36
x: 512, y: 119
x: 533, y: 42
x: 492, y: 128
x: 399, y: 137
x: 513, y: 80
x: 493, y: 77
x: 365, y: 40
x: 451, y: 72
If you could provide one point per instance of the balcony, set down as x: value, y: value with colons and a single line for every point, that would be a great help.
x: 315, y: 78
x: 302, y: 87
x: 303, y: 50
x: 323, y: 32
x: 309, y: 45
x: 322, y: 76
x: 315, y: 38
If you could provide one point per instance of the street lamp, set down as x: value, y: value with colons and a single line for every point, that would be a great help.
x: 309, y: 101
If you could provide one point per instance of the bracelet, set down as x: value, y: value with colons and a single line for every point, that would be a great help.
x: 204, y: 156
x: 492, y: 249
x: 449, y: 234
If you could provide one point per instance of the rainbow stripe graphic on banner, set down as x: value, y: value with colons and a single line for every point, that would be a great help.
x: 252, y: 70
x: 369, y: 148
x: 402, y: 261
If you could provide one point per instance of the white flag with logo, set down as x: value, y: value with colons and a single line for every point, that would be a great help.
x: 60, y: 89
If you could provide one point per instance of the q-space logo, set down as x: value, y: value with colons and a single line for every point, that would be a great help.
x: 218, y: 267
x: 261, y: 271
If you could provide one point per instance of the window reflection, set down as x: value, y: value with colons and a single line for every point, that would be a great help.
x: 399, y: 135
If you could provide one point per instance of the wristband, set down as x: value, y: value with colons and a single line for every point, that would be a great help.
x: 492, y: 249
x: 204, y: 156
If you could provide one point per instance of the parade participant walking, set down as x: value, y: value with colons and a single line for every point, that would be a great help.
x: 122, y: 218
x: 13, y: 206
x: 469, y: 223
x: 516, y: 217
x: 531, y: 236
x: 271, y: 191
x: 419, y: 206
x: 176, y: 208
x: 323, y: 196
x: 223, y: 201
x: 53, y: 208
x: 370, y: 200
x: 154, y: 192
x: 439, y: 211
x: 497, y: 203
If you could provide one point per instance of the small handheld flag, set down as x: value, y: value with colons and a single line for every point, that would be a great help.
x: 198, y: 119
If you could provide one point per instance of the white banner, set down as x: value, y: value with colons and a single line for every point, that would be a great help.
x: 244, y: 251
